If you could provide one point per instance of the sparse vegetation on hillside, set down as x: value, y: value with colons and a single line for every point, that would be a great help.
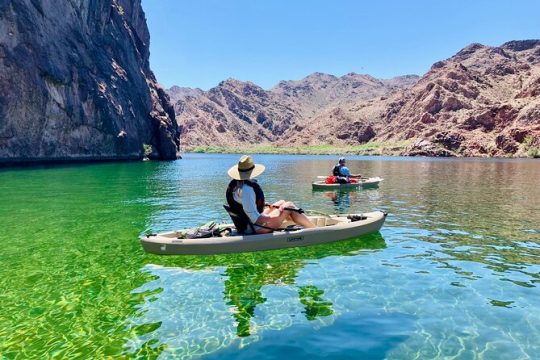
x: 147, y: 150
x: 532, y: 151
x: 375, y: 148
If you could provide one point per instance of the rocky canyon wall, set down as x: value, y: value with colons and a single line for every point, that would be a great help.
x: 75, y: 83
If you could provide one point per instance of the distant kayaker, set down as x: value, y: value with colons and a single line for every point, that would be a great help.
x: 342, y: 173
x: 246, y: 199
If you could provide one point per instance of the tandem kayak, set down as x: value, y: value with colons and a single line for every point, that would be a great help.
x: 329, y: 228
x: 363, y: 183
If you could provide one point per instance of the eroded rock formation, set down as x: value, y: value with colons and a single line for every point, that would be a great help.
x: 238, y: 113
x: 75, y: 83
x: 483, y: 101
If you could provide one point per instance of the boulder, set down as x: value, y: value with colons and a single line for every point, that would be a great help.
x: 423, y: 147
x: 450, y: 140
x: 506, y: 144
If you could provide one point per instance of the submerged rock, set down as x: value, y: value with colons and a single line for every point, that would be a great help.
x: 75, y: 83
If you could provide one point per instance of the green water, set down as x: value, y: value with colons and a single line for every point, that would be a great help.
x: 454, y: 273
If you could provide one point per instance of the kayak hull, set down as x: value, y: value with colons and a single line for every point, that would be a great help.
x: 169, y: 244
x: 364, y: 184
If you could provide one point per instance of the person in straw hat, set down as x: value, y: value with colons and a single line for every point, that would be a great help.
x: 246, y: 198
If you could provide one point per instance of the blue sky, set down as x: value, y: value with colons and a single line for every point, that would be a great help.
x: 198, y: 43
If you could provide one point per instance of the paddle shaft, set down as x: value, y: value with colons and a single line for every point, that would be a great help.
x: 354, y: 177
x: 298, y: 210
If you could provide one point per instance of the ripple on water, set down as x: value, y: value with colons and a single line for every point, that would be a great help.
x: 453, y: 274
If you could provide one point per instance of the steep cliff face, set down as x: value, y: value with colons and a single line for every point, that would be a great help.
x: 75, y: 83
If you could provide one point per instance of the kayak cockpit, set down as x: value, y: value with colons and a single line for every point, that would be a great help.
x: 320, y: 221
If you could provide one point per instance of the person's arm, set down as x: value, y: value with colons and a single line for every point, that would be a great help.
x: 250, y: 206
x: 345, y: 171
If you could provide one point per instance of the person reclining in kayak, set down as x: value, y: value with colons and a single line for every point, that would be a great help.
x: 246, y: 198
x: 342, y: 173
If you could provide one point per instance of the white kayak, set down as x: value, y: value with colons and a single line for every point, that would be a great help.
x: 329, y: 228
x: 362, y: 183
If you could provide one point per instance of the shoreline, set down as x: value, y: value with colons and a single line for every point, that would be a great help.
x: 371, y: 149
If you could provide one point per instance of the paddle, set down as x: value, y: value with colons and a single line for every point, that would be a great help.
x: 302, y: 211
x: 315, y: 212
x: 361, y: 178
x: 298, y: 210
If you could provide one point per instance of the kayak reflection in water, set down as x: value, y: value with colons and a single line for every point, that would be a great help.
x: 341, y: 199
x: 243, y: 290
x: 245, y: 199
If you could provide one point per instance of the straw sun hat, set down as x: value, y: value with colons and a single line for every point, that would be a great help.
x: 245, y: 169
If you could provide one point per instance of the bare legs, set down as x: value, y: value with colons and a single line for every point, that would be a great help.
x: 279, y: 214
x: 300, y: 219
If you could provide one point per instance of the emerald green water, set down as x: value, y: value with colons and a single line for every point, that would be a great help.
x: 454, y: 273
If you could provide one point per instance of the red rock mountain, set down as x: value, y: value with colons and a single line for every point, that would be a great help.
x: 483, y: 101
x: 240, y: 113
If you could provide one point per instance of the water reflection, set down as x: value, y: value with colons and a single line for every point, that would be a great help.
x: 191, y: 298
x: 347, y: 201
x: 464, y: 255
x: 243, y: 291
x: 341, y: 199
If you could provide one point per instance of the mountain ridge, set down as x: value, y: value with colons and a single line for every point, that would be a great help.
x: 236, y: 112
x: 482, y: 101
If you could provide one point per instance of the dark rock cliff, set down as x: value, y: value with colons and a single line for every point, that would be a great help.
x: 75, y: 83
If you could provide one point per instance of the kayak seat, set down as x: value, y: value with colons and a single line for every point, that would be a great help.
x: 239, y: 221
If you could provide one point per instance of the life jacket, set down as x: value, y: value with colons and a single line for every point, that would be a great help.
x: 340, y: 178
x: 243, y: 221
x: 336, y: 171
